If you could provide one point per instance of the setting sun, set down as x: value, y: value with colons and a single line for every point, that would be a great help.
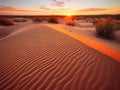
x: 69, y: 14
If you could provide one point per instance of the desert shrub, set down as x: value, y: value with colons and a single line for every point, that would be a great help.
x: 94, y: 22
x: 77, y: 18
x: 117, y: 25
x: 37, y: 19
x: 24, y: 20
x: 19, y: 20
x: 70, y: 21
x: 46, y: 18
x: 53, y: 20
x: 16, y: 20
x: 6, y: 22
x: 105, y: 28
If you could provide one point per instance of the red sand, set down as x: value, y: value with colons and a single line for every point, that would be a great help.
x: 43, y: 59
x: 91, y: 43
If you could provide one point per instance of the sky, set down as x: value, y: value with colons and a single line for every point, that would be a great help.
x: 59, y: 7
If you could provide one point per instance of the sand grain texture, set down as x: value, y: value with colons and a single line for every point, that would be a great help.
x: 44, y: 59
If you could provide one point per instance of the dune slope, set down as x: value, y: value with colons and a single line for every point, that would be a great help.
x: 43, y: 59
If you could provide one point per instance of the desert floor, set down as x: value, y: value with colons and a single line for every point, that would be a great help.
x: 36, y: 57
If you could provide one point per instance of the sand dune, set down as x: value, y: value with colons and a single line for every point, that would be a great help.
x: 43, y: 59
x: 91, y: 33
x: 6, y: 31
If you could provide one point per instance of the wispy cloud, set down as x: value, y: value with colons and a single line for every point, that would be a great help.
x: 8, y: 8
x: 93, y: 9
x: 58, y: 3
x: 44, y: 8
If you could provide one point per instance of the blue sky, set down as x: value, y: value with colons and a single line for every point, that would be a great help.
x: 47, y: 7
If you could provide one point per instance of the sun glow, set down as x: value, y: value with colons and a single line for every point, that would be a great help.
x: 69, y: 14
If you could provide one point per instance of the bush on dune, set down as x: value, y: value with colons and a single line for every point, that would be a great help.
x: 53, y: 20
x: 6, y: 22
x: 70, y: 21
x: 104, y: 28
x: 37, y: 19
x: 94, y: 21
x: 48, y: 19
x: 117, y: 25
x: 19, y: 20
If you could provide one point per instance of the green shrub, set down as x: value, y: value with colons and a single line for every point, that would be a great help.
x: 53, y: 20
x: 6, y: 22
x: 105, y: 28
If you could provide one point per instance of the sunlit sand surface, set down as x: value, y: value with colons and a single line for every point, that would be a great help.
x: 40, y: 58
x: 89, y: 41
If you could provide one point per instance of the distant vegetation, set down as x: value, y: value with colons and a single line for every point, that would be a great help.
x: 117, y: 25
x: 19, y: 20
x: 53, y: 20
x: 6, y: 22
x: 37, y: 19
x: 106, y: 27
x: 70, y: 21
x: 48, y: 19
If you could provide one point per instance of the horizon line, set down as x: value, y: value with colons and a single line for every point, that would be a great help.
x: 58, y: 15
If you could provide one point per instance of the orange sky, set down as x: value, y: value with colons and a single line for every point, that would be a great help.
x: 59, y: 7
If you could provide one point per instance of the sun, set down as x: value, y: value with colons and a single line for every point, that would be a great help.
x: 69, y: 14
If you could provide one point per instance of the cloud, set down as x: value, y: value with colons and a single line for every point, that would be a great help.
x: 58, y: 3
x: 44, y: 8
x: 7, y: 8
x: 93, y: 9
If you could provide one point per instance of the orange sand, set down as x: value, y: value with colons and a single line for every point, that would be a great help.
x: 40, y: 58
x: 91, y: 43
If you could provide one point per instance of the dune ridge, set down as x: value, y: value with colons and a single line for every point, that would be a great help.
x: 90, y: 43
x: 43, y: 59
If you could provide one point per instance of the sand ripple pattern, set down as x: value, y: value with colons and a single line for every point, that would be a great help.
x: 43, y: 59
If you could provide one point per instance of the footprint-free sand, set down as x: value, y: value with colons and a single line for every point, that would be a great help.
x: 39, y: 58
